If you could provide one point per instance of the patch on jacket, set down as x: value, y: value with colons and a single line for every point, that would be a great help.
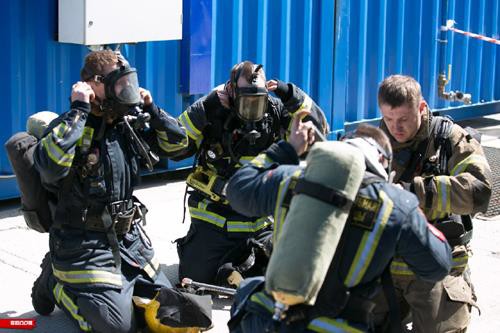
x: 364, y: 212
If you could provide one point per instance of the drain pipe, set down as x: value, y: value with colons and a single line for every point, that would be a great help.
x: 443, y: 78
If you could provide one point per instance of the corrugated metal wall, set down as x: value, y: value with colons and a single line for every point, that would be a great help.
x: 337, y: 51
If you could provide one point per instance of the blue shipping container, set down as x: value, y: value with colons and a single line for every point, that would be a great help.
x: 337, y: 51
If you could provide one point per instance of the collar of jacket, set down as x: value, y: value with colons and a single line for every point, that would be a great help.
x: 422, y: 133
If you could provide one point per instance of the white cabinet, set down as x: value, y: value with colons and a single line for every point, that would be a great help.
x: 98, y: 22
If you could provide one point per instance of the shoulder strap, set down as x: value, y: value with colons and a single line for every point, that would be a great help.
x: 416, y: 161
x: 441, y: 126
x: 442, y: 142
x: 321, y: 192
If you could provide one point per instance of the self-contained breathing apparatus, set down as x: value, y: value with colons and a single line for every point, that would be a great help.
x: 123, y: 102
x: 247, y: 122
x: 456, y: 228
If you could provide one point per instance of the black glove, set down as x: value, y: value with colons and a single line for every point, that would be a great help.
x: 154, y: 111
x: 283, y: 91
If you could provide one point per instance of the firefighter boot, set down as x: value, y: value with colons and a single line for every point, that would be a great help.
x: 41, y: 297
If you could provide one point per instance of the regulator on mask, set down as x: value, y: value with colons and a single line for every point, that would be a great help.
x: 250, y: 106
x: 250, y: 103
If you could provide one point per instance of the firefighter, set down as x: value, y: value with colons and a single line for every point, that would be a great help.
x: 444, y: 165
x: 226, y: 129
x: 383, y: 221
x: 89, y: 158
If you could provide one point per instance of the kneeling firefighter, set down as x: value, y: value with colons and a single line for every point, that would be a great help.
x: 88, y: 162
x: 338, y: 224
x: 226, y: 129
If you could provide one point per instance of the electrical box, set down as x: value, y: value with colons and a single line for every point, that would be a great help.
x: 100, y: 22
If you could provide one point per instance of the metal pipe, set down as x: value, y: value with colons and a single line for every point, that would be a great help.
x: 443, y: 77
x: 208, y: 287
x: 454, y: 96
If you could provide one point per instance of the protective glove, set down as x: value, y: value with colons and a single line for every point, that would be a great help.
x: 283, y: 91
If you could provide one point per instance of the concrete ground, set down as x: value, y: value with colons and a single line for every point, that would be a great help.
x: 21, y: 251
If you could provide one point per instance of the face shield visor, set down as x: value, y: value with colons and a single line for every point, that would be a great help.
x: 122, y: 86
x: 251, y: 103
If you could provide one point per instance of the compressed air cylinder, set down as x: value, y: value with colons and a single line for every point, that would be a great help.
x: 312, y: 228
x: 38, y: 122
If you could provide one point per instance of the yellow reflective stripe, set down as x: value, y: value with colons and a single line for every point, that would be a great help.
x: 203, y: 204
x: 435, y: 214
x: 400, y: 268
x: 329, y: 325
x: 86, y: 139
x: 461, y: 261
x: 88, y: 276
x: 151, y: 268
x: 205, y: 215
x: 280, y: 211
x: 248, y: 226
x: 64, y: 300
x: 165, y: 145
x: 443, y: 186
x: 191, y: 130
x: 369, y: 243
x: 263, y: 300
x: 262, y: 161
x: 55, y: 153
x: 59, y: 131
x: 306, y: 105
x: 471, y: 159
x: 244, y: 160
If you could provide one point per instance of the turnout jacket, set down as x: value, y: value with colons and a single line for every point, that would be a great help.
x: 399, y: 228
x: 90, y: 164
x: 466, y: 186
x: 463, y: 189
x: 221, y: 145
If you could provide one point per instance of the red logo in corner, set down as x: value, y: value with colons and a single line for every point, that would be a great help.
x: 18, y: 323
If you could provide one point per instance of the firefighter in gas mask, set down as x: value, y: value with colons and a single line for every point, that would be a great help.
x: 89, y: 159
x: 226, y: 129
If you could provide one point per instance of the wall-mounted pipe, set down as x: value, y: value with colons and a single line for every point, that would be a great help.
x: 452, y: 96
x: 444, y: 57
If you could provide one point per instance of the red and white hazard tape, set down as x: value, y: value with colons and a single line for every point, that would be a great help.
x: 451, y: 23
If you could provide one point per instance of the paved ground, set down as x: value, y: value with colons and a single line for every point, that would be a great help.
x: 21, y: 251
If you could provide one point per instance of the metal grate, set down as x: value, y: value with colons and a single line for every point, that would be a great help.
x: 493, y: 157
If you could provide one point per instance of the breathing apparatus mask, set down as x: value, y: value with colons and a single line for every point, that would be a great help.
x: 371, y: 150
x: 121, y: 87
x: 250, y: 103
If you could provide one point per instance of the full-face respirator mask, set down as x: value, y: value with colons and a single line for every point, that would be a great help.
x: 121, y: 87
x: 250, y: 103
